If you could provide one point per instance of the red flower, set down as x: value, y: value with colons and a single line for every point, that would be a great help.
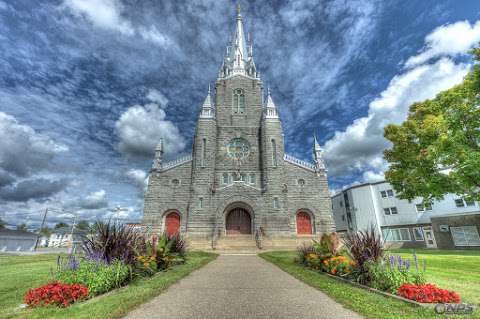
x: 428, y: 293
x: 56, y: 293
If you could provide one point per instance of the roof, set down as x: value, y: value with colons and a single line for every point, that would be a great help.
x: 455, y: 214
x: 68, y: 230
x: 16, y: 233
x: 357, y: 186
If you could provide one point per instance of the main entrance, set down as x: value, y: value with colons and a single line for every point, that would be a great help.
x: 238, y: 221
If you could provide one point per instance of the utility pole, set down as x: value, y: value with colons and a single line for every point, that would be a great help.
x: 73, y: 249
x: 41, y: 227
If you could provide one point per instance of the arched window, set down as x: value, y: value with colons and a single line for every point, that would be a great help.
x: 274, y: 153
x: 225, y: 178
x: 204, y: 151
x: 238, y: 101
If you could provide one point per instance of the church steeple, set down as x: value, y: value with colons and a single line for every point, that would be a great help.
x: 317, y: 155
x: 207, y: 107
x: 271, y: 109
x: 239, y: 56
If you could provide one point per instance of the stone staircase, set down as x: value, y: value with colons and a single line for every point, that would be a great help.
x: 247, y: 244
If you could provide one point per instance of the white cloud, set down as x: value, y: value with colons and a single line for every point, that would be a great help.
x: 140, y: 129
x: 157, y: 97
x: 361, y: 144
x: 24, y: 151
x: 371, y: 176
x: 138, y: 176
x: 448, y: 40
x: 110, y: 15
x: 101, y: 13
x: 94, y: 200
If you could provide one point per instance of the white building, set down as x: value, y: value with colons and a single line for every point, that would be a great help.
x: 448, y: 223
x: 64, y: 237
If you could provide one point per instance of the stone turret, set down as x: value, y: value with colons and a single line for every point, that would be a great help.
x: 207, y: 111
x: 157, y: 161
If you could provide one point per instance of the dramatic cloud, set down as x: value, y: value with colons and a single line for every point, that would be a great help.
x: 448, y: 40
x: 24, y: 151
x: 110, y: 15
x: 94, y: 200
x: 138, y: 177
x: 39, y: 188
x: 360, y: 146
x: 140, y: 129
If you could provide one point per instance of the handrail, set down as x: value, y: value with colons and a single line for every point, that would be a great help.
x: 296, y: 161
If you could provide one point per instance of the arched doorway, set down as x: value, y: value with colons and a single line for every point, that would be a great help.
x: 238, y: 222
x: 304, y: 224
x: 172, y: 224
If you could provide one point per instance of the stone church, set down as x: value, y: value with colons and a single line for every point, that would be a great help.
x: 238, y: 179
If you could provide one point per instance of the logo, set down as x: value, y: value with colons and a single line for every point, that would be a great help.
x: 454, y: 308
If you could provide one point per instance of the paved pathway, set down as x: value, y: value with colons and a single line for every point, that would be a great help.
x: 241, y: 286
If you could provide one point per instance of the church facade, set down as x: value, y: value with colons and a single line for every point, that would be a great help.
x: 238, y: 179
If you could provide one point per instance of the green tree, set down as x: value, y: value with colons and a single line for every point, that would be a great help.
x: 83, y: 224
x: 2, y: 224
x: 22, y: 226
x: 436, y: 150
x: 60, y: 225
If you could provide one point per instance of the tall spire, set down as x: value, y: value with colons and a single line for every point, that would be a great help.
x: 271, y: 109
x: 207, y: 107
x: 239, y: 59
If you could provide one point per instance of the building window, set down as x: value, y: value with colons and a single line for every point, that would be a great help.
x: 238, y: 101
x: 470, y: 202
x: 387, y: 193
x: 301, y: 182
x: 274, y: 153
x: 252, y: 178
x: 423, y: 207
x: 200, y: 203
x: 397, y: 234
x: 465, y: 236
x: 343, y: 218
x: 204, y: 151
x: 418, y: 233
x: 243, y: 177
x: 225, y: 178
x: 175, y: 182
x: 276, y: 204
x: 390, y: 210
x: 459, y: 203
x: 341, y: 204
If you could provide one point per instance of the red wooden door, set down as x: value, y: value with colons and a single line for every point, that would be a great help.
x: 238, y: 222
x: 304, y: 224
x: 172, y: 224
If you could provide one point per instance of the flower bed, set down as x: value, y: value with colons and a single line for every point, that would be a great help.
x: 114, y: 256
x: 55, y: 293
x: 362, y: 262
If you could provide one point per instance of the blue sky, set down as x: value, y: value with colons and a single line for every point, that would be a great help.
x: 87, y: 87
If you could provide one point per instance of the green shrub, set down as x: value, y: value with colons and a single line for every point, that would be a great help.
x: 169, y: 250
x: 98, y: 276
x: 392, y: 272
x: 364, y: 247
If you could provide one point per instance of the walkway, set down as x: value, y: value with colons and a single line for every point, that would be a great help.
x: 241, y: 286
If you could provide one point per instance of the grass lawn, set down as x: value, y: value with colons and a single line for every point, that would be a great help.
x: 19, y: 273
x: 372, y: 305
